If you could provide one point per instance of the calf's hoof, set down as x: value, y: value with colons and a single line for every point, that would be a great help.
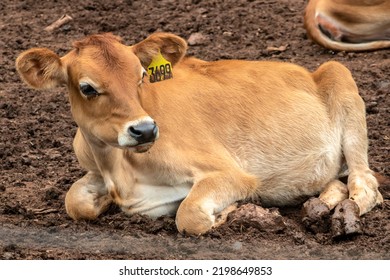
x: 84, y: 207
x: 315, y: 215
x: 345, y: 220
x: 191, y: 220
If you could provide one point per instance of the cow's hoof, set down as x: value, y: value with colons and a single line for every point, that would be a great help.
x: 315, y: 215
x: 345, y: 220
x: 191, y: 219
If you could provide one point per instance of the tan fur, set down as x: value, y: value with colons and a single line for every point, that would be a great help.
x: 228, y: 130
x: 354, y: 25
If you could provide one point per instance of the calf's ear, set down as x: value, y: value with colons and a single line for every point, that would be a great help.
x: 41, y: 68
x: 172, y: 48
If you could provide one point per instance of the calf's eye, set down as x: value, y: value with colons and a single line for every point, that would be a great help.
x: 88, y: 90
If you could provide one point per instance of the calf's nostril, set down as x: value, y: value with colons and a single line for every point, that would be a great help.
x: 134, y: 132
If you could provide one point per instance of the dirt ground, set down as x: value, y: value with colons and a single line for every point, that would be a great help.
x: 38, y: 164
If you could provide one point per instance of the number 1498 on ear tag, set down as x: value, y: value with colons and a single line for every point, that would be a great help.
x: 159, y: 69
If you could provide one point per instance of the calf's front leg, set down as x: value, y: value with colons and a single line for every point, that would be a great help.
x: 87, y: 198
x: 211, y: 199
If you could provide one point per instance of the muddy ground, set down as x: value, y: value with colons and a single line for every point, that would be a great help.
x: 38, y: 165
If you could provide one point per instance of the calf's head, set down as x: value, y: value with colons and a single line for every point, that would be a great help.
x: 104, y: 79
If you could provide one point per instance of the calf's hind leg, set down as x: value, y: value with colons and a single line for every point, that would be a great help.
x: 347, y: 115
x: 362, y: 185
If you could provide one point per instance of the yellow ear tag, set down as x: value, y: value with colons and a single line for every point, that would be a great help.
x: 159, y: 69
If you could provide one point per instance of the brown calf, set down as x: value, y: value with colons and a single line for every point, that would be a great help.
x: 213, y: 134
x: 349, y: 25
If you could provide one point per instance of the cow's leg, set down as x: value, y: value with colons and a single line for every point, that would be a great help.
x: 87, y: 198
x: 347, y: 115
x: 362, y: 185
x: 210, y: 200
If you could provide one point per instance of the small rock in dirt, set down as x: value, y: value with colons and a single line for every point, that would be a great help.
x: 372, y: 107
x: 251, y: 215
x: 8, y: 256
x: 383, y: 87
x: 197, y: 39
x: 227, y: 34
x: 272, y: 49
x: 202, y: 11
x: 237, y: 246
